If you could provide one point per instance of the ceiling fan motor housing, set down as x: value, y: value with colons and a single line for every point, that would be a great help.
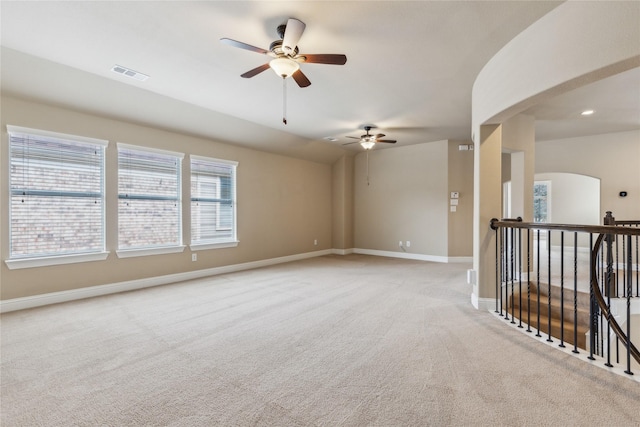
x: 278, y: 50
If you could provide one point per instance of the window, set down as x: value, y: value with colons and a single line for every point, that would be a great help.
x: 57, y: 197
x: 213, y: 207
x: 149, y: 202
x: 542, y: 201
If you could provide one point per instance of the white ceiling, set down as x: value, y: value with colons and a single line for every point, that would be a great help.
x: 410, y: 69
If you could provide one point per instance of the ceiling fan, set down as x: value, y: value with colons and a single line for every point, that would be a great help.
x: 286, y: 56
x: 368, y: 141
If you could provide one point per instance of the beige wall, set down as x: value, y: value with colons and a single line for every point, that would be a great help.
x: 283, y: 204
x: 342, y: 226
x: 407, y: 198
x: 460, y: 175
x: 613, y: 158
x: 574, y: 199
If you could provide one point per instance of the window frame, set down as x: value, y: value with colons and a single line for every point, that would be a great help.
x: 547, y: 184
x: 41, y: 260
x: 205, y: 244
x: 160, y: 249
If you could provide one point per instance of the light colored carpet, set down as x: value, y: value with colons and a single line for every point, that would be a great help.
x: 330, y: 341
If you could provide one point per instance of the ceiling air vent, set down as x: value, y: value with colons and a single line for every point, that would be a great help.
x: 129, y: 73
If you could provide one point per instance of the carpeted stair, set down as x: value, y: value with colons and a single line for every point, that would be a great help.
x: 519, y: 301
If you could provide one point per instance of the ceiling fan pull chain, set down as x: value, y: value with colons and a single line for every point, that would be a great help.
x: 284, y: 100
x: 367, y: 167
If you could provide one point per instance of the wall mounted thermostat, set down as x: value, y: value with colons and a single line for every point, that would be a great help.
x: 623, y: 194
x: 455, y: 195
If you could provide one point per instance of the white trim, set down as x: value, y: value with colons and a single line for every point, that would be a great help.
x: 485, y: 304
x: 342, y: 251
x: 213, y: 159
x: 130, y: 253
x: 150, y: 150
x: 460, y: 259
x: 48, y: 134
x: 419, y: 257
x: 205, y: 246
x: 404, y: 255
x: 581, y: 249
x: 94, y: 291
x: 16, y: 264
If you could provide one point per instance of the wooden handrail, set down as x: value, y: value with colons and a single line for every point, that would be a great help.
x: 595, y: 229
x: 613, y: 227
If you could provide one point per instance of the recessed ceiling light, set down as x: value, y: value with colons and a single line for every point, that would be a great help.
x: 129, y: 72
x: 587, y: 112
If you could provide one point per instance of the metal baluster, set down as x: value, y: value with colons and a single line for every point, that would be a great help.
x: 637, y: 267
x: 630, y: 274
x: 500, y: 275
x: 561, y: 291
x: 549, y: 286
x: 624, y: 276
x: 512, y: 277
x: 575, y: 292
x: 528, y: 281
x: 616, y: 276
x: 593, y: 322
x: 520, y: 277
x: 538, y: 286
x: 498, y: 290
x: 505, y: 275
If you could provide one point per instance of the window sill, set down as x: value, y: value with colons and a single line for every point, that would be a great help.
x: 221, y: 245
x: 130, y: 253
x: 15, y: 264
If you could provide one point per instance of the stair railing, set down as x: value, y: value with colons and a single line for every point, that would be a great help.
x: 604, y: 262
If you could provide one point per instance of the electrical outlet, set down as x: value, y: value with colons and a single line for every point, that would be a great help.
x: 194, y: 257
x: 408, y: 243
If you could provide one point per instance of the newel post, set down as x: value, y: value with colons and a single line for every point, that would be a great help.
x: 610, y: 278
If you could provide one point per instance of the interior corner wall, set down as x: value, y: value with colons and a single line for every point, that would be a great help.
x: 460, y: 177
x: 284, y: 204
x: 518, y: 138
x: 342, y: 208
x: 405, y: 198
x: 613, y: 158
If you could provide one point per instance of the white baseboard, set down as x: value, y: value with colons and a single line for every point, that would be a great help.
x: 485, y: 304
x: 342, y: 251
x: 94, y: 291
x: 407, y: 255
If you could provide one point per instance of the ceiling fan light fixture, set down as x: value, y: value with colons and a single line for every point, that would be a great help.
x: 367, y: 144
x: 284, y: 67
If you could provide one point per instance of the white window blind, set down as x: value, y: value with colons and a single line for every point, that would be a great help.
x: 57, y: 194
x: 149, y: 204
x: 213, y: 204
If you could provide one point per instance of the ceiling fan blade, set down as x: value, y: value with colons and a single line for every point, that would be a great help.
x: 380, y: 135
x: 255, y: 71
x: 245, y: 46
x: 300, y: 78
x: 354, y: 137
x: 292, y: 35
x: 349, y: 143
x: 390, y: 141
x: 327, y: 58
